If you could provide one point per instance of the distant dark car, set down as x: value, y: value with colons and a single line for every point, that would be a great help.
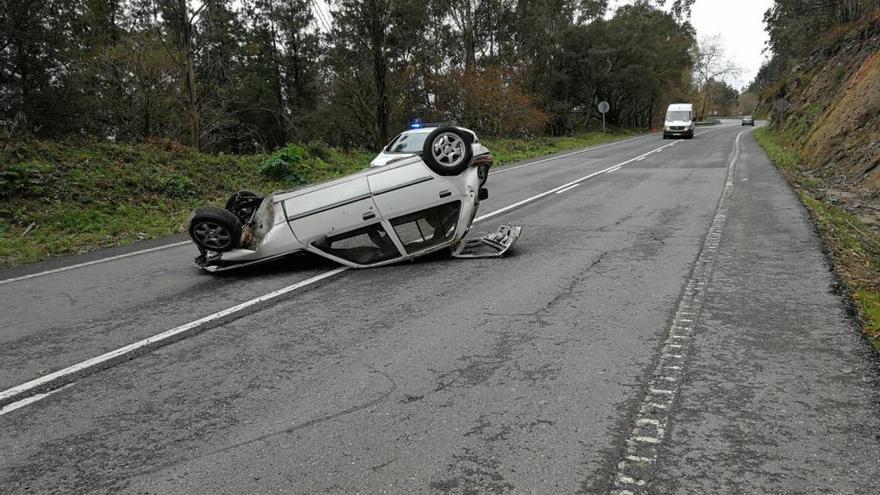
x: 748, y: 120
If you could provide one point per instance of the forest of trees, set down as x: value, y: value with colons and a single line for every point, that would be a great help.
x: 797, y: 29
x: 251, y: 75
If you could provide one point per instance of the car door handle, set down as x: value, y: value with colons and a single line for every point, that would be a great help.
x: 369, y: 215
x: 445, y: 194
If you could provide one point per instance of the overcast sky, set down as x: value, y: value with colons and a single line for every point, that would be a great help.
x: 740, y: 23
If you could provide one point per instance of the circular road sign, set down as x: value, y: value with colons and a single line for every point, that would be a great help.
x: 604, y: 107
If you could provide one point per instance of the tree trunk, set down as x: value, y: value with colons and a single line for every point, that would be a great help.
x: 380, y: 69
x: 702, y: 115
x: 192, y: 98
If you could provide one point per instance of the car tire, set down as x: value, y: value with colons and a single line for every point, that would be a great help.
x: 448, y: 151
x: 243, y: 204
x: 214, y: 229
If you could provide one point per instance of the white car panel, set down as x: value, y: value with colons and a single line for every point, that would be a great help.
x: 328, y: 211
x: 410, y: 188
x: 397, y: 209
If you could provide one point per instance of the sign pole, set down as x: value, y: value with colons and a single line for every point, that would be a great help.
x: 603, y: 109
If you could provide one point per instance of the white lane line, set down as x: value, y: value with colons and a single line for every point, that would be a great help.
x: 65, y: 375
x: 30, y: 400
x: 566, y: 186
x: 578, y: 152
x: 568, y: 189
x: 509, y: 169
x: 93, y: 262
x: 176, y: 244
x: 28, y: 388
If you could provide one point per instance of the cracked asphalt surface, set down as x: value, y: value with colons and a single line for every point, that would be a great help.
x: 520, y: 374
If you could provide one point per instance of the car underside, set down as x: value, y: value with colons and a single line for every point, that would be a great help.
x: 409, y: 207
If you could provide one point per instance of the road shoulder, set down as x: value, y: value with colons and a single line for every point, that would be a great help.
x: 780, y: 395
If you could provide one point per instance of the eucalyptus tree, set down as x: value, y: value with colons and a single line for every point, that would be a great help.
x: 370, y: 41
x: 38, y: 45
x: 176, y: 21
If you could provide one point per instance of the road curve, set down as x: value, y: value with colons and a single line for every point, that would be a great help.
x: 525, y: 374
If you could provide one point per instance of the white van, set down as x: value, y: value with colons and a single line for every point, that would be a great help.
x: 679, y: 121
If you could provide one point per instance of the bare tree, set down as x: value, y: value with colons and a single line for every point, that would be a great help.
x: 712, y: 64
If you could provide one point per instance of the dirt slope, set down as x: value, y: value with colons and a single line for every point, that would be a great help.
x: 835, y: 108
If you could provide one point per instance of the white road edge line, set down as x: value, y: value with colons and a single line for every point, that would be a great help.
x: 650, y: 426
x: 93, y: 262
x: 28, y: 389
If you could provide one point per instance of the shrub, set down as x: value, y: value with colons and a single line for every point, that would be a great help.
x: 23, y: 179
x: 176, y: 186
x: 287, y: 164
x: 318, y: 149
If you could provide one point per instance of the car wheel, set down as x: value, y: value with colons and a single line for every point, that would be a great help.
x: 447, y: 151
x: 243, y: 204
x: 215, y: 229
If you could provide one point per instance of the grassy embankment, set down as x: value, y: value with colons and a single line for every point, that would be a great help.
x: 853, y: 247
x: 61, y: 198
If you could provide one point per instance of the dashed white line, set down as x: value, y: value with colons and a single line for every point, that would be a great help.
x: 29, y: 400
x: 651, y: 422
x: 578, y: 152
x: 650, y: 440
x: 182, y: 243
x: 31, y: 389
x: 22, y: 392
x: 568, y: 188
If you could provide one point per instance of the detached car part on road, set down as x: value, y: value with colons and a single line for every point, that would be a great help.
x: 419, y: 196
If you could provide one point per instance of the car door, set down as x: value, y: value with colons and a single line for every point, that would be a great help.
x: 423, y: 208
x: 411, y: 187
x: 341, y: 221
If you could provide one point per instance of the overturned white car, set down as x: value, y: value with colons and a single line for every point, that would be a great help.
x: 419, y: 196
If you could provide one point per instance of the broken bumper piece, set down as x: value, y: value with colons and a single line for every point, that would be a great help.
x: 492, y: 245
x: 213, y: 263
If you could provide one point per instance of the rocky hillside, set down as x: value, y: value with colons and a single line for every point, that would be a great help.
x: 834, y: 112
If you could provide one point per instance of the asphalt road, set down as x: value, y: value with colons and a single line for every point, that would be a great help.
x: 670, y: 326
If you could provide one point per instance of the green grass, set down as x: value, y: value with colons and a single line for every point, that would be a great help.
x: 68, y: 197
x: 506, y: 151
x: 82, y: 196
x: 854, y: 248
